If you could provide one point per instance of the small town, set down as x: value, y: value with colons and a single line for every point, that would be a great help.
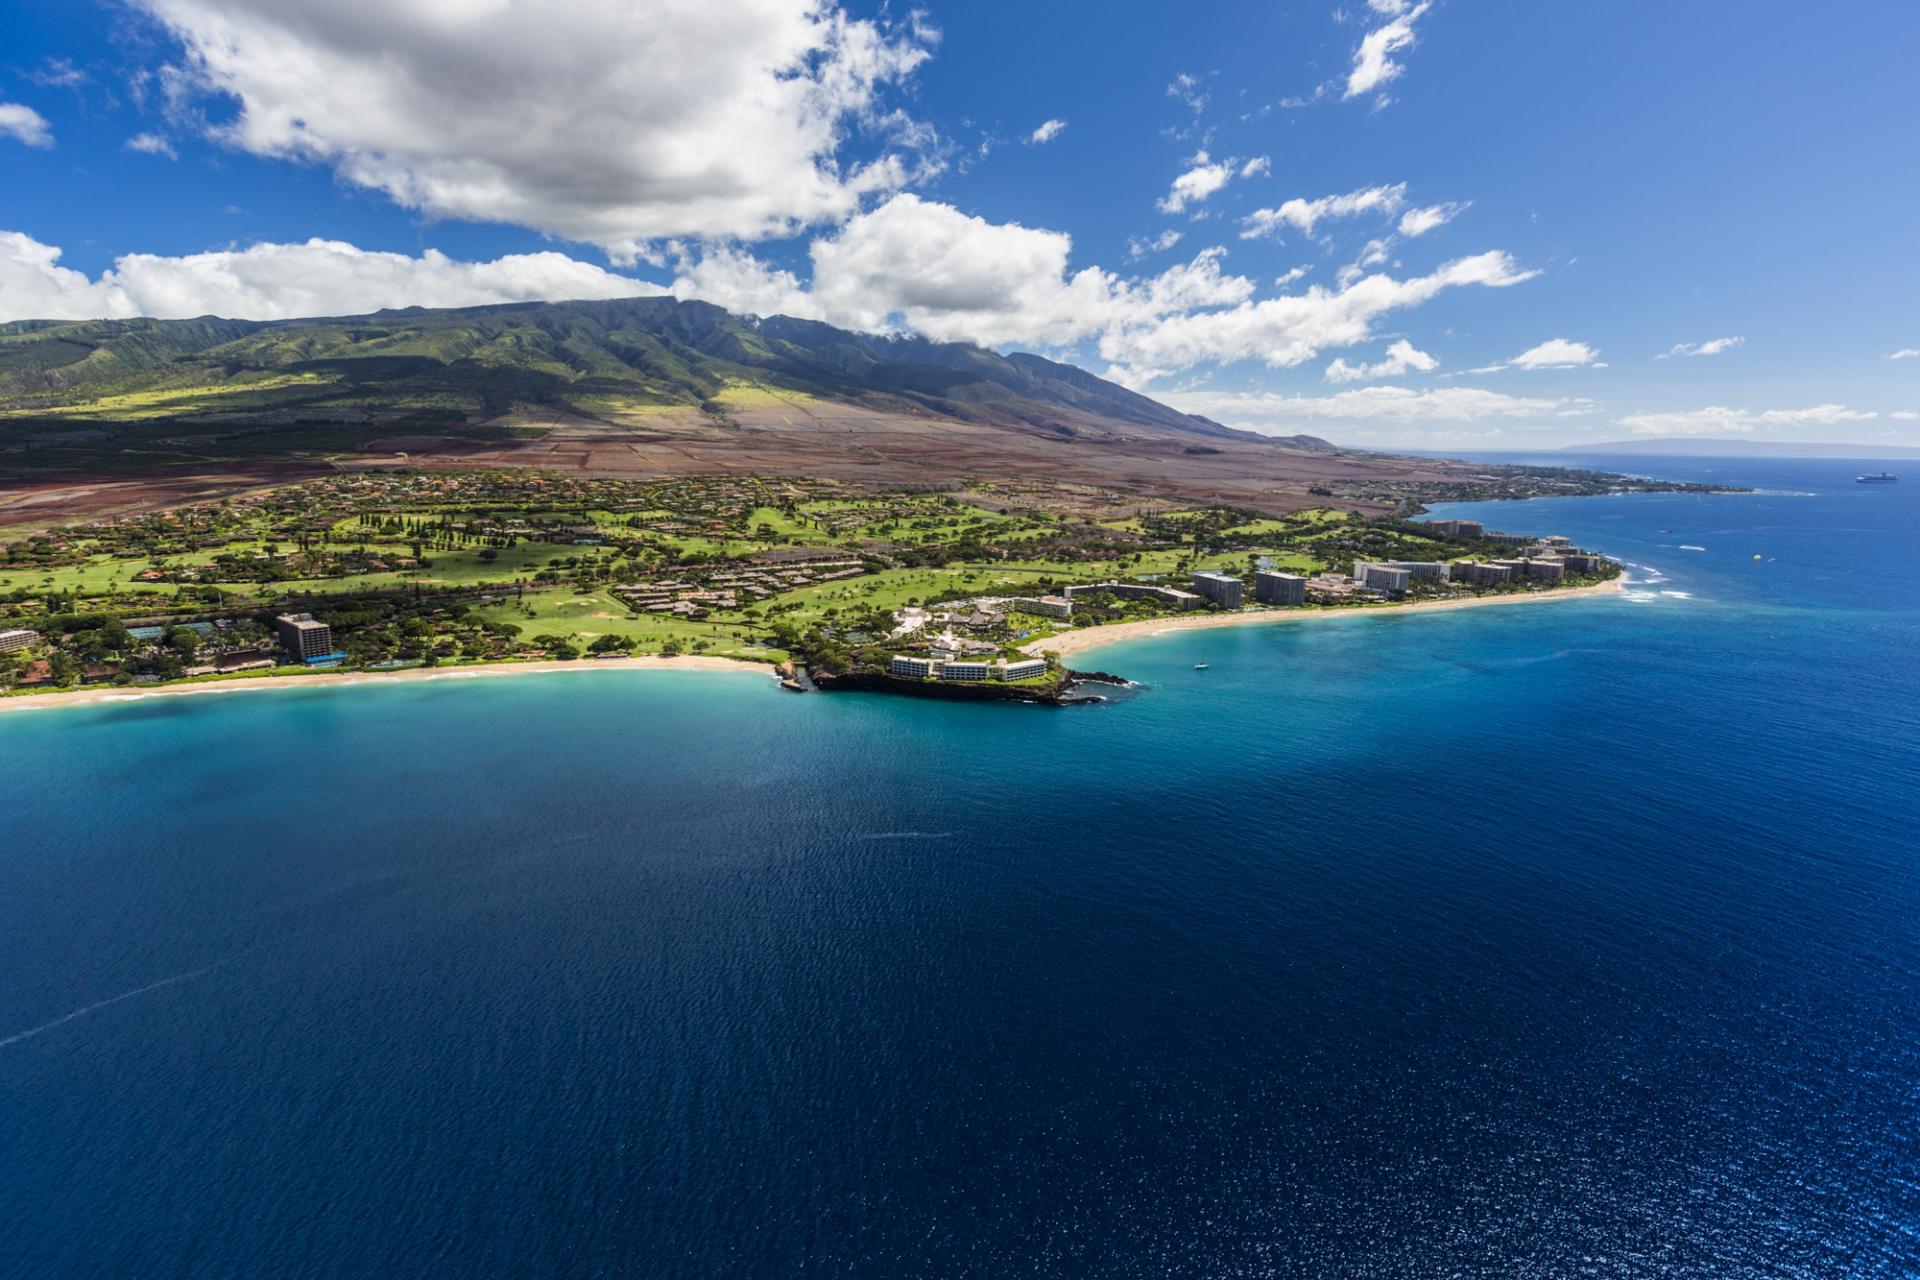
x: 844, y: 586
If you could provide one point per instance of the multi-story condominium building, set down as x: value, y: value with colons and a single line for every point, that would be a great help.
x: 16, y: 640
x: 1279, y: 588
x: 1045, y: 606
x: 1381, y: 577
x: 912, y: 668
x: 956, y: 670
x: 1222, y: 588
x: 1549, y: 568
x: 1024, y: 669
x: 1516, y: 539
x: 1366, y: 571
x: 1481, y: 575
x: 303, y: 636
x: 1457, y: 528
x: 1138, y: 591
x: 1582, y: 561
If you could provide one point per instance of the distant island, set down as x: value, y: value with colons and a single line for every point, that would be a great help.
x: 1724, y: 447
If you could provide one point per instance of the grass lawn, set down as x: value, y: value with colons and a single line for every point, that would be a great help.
x: 587, y: 617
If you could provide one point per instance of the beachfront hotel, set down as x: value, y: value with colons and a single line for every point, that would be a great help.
x: 1279, y: 588
x: 1137, y: 591
x: 303, y: 636
x: 16, y: 640
x: 1224, y: 589
x: 965, y: 672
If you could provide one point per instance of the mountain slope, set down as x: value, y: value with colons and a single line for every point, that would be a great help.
x: 592, y: 359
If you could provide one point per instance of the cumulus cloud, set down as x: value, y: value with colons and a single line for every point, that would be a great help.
x: 601, y: 121
x: 1417, y: 222
x: 1202, y: 177
x: 23, y: 124
x: 1720, y: 420
x: 1711, y: 347
x: 1303, y: 215
x: 1557, y: 353
x: 1047, y: 132
x: 1288, y: 330
x: 1906, y: 353
x: 925, y: 266
x: 1554, y: 353
x: 1257, y: 166
x: 1388, y: 409
x: 281, y: 281
x: 1373, y: 63
x: 1402, y: 358
x: 731, y: 277
x: 1140, y: 246
x: 152, y: 144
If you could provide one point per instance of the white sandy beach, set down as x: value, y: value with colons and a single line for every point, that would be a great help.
x: 478, y: 671
x: 1073, y: 642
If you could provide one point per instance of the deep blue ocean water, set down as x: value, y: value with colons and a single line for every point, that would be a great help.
x: 1571, y: 939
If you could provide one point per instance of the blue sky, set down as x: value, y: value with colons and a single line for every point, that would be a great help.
x: 1426, y: 223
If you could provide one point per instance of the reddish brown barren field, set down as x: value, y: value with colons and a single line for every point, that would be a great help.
x: 798, y: 437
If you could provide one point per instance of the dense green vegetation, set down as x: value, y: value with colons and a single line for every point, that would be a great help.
x: 410, y: 567
x: 314, y: 385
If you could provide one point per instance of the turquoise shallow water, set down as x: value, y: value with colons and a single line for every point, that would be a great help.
x: 1558, y: 939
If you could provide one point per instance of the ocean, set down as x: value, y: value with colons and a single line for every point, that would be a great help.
x: 1568, y: 939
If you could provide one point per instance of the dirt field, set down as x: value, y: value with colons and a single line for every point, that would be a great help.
x: 802, y: 437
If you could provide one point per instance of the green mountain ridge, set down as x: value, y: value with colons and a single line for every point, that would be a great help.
x: 592, y: 359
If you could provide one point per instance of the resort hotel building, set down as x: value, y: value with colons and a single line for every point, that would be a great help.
x: 1224, y: 589
x: 1279, y: 588
x: 304, y: 637
x: 965, y: 671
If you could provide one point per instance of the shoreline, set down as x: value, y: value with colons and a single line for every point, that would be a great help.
x: 322, y: 679
x: 1074, y: 642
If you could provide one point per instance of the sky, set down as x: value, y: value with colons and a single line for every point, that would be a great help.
x: 1423, y: 224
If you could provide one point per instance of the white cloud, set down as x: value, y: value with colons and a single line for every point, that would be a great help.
x: 1293, y: 328
x: 279, y: 281
x: 1202, y: 178
x: 1904, y: 415
x: 1417, y: 222
x: 152, y: 144
x: 1720, y: 420
x: 928, y: 267
x: 1906, y: 353
x: 1373, y: 63
x: 1711, y: 347
x: 23, y: 124
x: 1287, y: 277
x: 1140, y: 247
x: 733, y: 278
x: 602, y: 121
x: 1256, y: 167
x: 1185, y: 89
x: 1402, y: 358
x: 1048, y: 131
x: 1304, y: 215
x: 1382, y: 409
x: 1557, y: 353
x: 908, y: 265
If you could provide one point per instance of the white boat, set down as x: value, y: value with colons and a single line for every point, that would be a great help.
x: 1199, y: 666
